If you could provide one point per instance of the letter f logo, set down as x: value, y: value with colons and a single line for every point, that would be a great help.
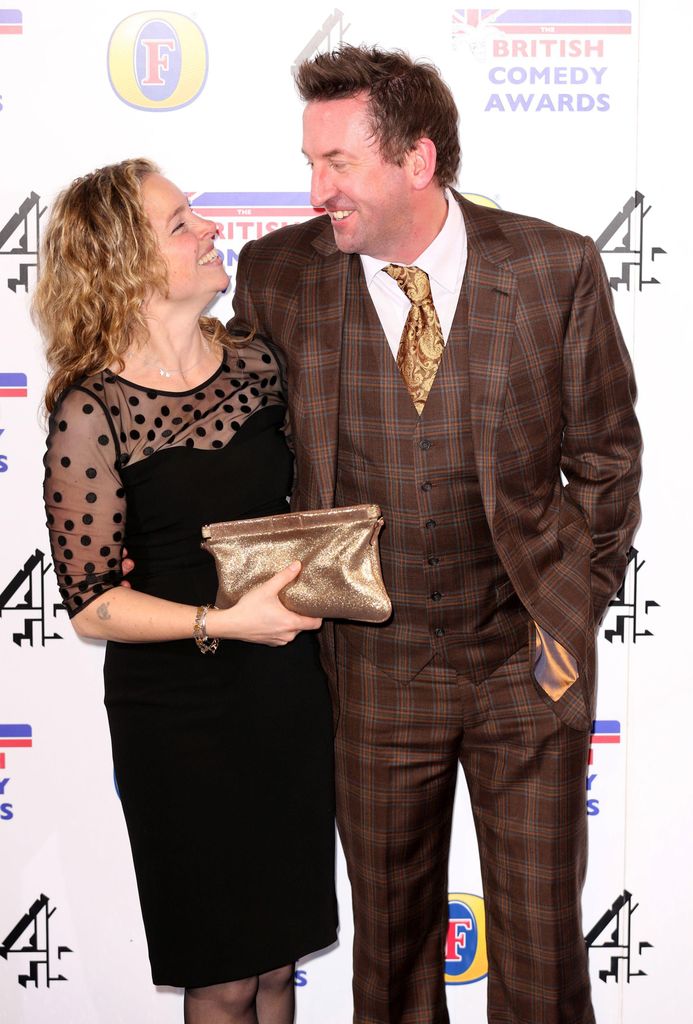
x: 156, y: 59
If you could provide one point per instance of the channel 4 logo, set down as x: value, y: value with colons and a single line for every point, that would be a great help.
x: 466, y: 959
x: 616, y: 937
x: 157, y: 60
x: 32, y: 943
x: 19, y: 243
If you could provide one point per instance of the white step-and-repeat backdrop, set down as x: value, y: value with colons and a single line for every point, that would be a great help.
x: 577, y: 114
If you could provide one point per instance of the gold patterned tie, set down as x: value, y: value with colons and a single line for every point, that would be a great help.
x: 422, y: 344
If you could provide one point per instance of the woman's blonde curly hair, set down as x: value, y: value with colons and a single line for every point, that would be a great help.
x: 99, y: 263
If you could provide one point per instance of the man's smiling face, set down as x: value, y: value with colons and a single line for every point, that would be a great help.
x: 368, y: 199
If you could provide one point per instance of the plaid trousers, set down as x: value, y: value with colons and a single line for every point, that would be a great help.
x: 397, y: 751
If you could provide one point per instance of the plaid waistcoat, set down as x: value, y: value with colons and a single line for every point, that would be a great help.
x: 451, y: 595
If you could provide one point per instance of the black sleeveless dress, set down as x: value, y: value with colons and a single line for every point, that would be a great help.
x: 223, y: 762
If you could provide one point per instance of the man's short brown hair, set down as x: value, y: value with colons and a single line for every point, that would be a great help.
x: 408, y: 100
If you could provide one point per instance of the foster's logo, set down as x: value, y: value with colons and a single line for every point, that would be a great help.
x: 466, y: 959
x: 157, y: 60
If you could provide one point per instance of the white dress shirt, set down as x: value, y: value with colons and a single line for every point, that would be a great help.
x: 444, y: 261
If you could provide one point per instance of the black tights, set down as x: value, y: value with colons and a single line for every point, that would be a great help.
x: 264, y: 999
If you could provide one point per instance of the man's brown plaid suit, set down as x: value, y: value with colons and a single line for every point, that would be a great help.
x: 483, y: 537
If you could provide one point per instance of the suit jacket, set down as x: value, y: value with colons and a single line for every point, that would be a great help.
x: 556, y: 440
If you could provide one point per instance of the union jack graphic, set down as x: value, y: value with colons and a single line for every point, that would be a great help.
x: 542, y: 22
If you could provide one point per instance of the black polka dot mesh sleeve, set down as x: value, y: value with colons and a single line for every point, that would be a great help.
x: 106, y: 424
x: 84, y: 498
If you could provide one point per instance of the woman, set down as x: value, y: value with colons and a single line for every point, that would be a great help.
x: 220, y: 720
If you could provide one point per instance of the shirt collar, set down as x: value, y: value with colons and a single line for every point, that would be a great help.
x: 443, y: 257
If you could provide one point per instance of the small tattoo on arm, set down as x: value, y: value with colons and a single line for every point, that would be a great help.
x: 103, y: 612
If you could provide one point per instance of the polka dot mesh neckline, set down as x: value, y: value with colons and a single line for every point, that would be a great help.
x: 145, y: 420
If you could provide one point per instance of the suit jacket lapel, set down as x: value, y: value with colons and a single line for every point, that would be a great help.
x: 315, y: 385
x: 491, y: 291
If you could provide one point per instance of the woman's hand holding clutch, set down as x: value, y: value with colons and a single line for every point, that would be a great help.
x: 259, y: 617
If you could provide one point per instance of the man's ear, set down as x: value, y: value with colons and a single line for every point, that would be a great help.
x: 421, y: 162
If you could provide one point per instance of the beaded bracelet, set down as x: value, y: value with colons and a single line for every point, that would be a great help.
x: 205, y: 644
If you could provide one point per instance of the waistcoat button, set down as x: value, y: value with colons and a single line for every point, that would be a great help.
x: 427, y: 486
x: 425, y: 444
x: 439, y: 631
x: 436, y: 595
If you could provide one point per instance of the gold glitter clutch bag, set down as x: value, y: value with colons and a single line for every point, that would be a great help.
x: 338, y: 550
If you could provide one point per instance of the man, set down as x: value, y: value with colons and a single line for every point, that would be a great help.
x: 510, y: 374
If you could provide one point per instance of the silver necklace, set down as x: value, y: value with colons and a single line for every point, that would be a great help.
x: 163, y: 372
